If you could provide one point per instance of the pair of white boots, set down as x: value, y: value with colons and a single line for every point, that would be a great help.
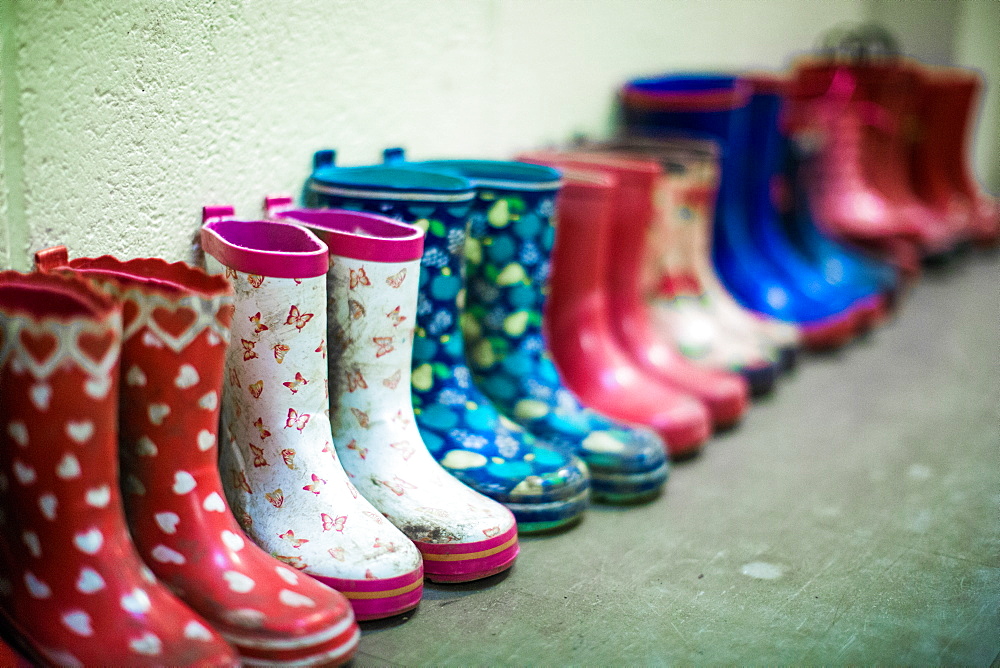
x: 321, y: 459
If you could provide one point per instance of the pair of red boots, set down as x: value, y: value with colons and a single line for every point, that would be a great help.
x: 106, y: 363
x: 890, y: 170
x: 600, y: 328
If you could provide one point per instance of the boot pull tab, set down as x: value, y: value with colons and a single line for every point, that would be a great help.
x: 393, y: 156
x: 324, y: 158
x: 217, y: 212
x: 276, y: 204
x: 48, y: 259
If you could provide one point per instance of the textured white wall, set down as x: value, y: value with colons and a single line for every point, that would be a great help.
x: 121, y: 119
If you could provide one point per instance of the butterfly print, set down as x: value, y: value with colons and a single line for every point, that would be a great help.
x: 404, y: 448
x: 276, y: 498
x: 234, y: 378
x: 329, y: 449
x: 369, y: 575
x: 240, y: 481
x: 314, y: 485
x: 378, y: 519
x: 321, y: 348
x: 359, y: 277
x: 395, y: 317
x: 361, y: 417
x: 289, y: 456
x: 296, y: 420
x: 353, y: 445
x: 355, y: 380
x: 397, y: 279
x: 279, y: 352
x: 248, y: 353
x: 293, y: 385
x: 255, y: 280
x: 356, y: 308
x: 256, y: 388
x: 384, y: 344
x: 400, y: 418
x: 298, y: 281
x: 258, y: 327
x: 340, y: 339
x: 331, y: 523
x: 295, y: 562
x: 298, y: 319
x: 290, y: 537
x: 391, y: 547
x: 245, y: 520
x: 352, y: 489
x: 230, y: 272
x: 492, y: 532
x: 397, y: 485
x: 259, y: 423
x: 258, y: 456
x: 393, y: 381
x: 337, y: 553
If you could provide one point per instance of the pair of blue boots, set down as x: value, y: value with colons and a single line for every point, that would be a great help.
x: 487, y: 398
x: 774, y: 262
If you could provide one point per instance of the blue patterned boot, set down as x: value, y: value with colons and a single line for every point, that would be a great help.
x: 544, y: 487
x: 507, y: 264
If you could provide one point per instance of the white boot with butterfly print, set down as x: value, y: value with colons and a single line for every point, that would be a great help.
x: 280, y: 468
x: 372, y: 291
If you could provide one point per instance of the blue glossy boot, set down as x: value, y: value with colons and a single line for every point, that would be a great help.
x: 542, y: 486
x: 717, y: 107
x: 507, y: 265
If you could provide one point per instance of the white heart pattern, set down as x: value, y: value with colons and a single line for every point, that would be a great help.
x: 167, y: 522
x: 48, y: 503
x: 136, y: 602
x: 18, y: 431
x: 97, y: 388
x: 148, y: 644
x: 36, y: 587
x: 24, y: 473
x: 89, y: 542
x: 210, y: 401
x: 41, y: 395
x: 157, y: 413
x: 89, y: 581
x: 285, y: 574
x: 184, y: 482
x: 233, y: 541
x: 150, y: 340
x: 295, y: 600
x: 214, y: 503
x: 30, y: 539
x: 238, y: 582
x: 144, y: 447
x: 187, y: 377
x: 165, y: 555
x: 68, y: 467
x: 196, y: 631
x: 78, y: 622
x: 134, y: 485
x: 135, y: 377
x: 98, y: 497
x: 80, y: 431
x: 206, y: 440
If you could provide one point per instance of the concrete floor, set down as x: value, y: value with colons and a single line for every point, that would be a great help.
x: 853, y: 518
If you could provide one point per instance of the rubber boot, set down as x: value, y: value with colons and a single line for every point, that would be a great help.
x: 544, y: 488
x: 461, y: 534
x: 280, y: 468
x: 73, y: 584
x: 621, y: 251
x: 717, y: 107
x: 827, y: 120
x: 940, y: 162
x: 678, y: 256
x: 172, y: 362
x: 507, y: 262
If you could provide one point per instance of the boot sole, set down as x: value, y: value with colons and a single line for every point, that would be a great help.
x: 465, y: 562
x: 380, y: 598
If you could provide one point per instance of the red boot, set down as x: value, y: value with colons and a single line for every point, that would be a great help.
x: 172, y: 359
x: 726, y: 395
x: 73, y: 584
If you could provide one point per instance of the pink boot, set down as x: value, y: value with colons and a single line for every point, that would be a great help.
x: 172, y: 359
x: 72, y: 582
